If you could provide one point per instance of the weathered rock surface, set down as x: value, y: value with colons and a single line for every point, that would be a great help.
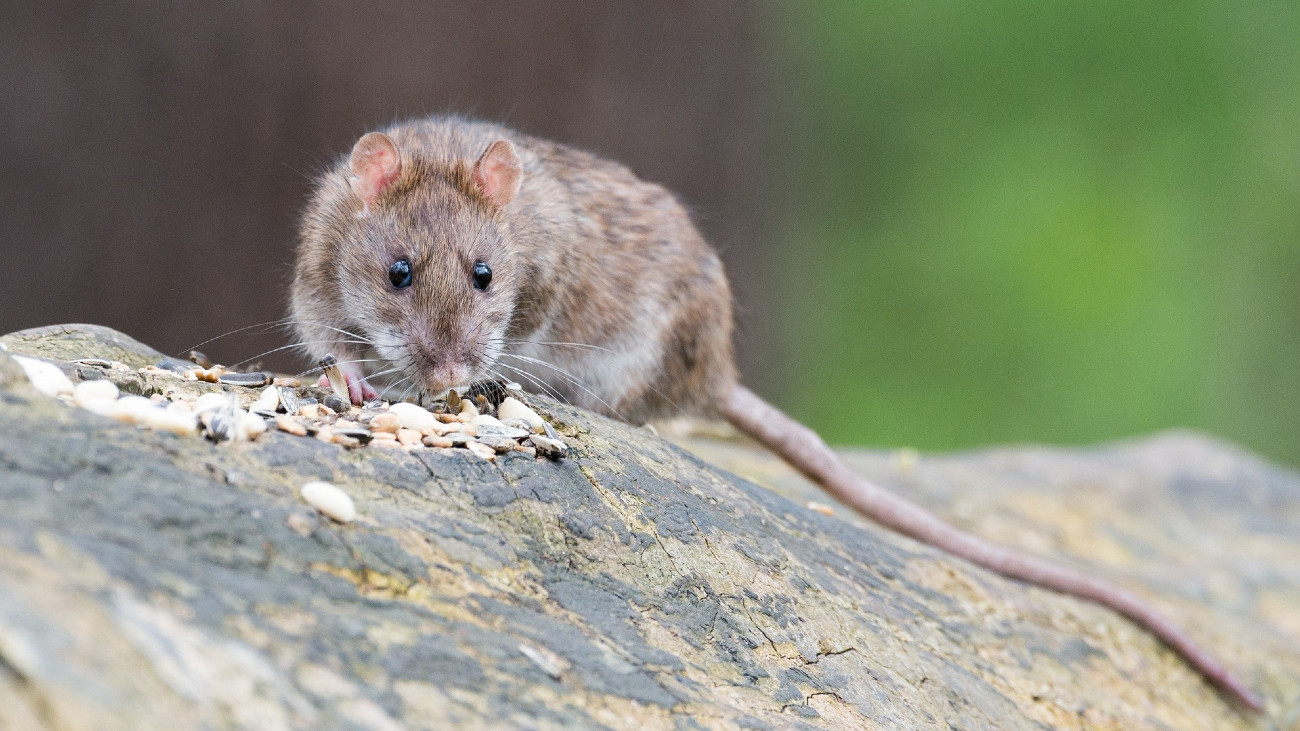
x: 155, y: 581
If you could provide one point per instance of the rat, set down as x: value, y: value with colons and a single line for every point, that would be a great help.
x: 443, y: 251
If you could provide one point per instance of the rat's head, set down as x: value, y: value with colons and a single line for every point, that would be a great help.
x: 424, y: 266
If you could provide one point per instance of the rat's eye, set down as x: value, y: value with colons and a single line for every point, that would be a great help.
x: 482, y: 275
x: 400, y: 273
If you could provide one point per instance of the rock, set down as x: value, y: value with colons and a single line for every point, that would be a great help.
x: 411, y: 416
x: 498, y: 443
x: 77, y: 342
x: 499, y: 430
x: 149, y: 580
x: 337, y: 404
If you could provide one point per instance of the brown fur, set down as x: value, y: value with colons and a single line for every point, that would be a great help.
x: 569, y: 256
x: 585, y: 254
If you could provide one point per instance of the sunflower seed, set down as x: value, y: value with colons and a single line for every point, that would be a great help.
x: 548, y: 447
x: 250, y: 380
x: 289, y: 400
x: 330, y: 365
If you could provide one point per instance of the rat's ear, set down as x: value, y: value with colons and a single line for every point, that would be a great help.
x: 375, y: 165
x: 498, y: 172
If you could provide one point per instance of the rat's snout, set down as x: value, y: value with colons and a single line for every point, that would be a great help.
x: 438, y: 368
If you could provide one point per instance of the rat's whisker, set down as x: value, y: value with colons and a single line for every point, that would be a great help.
x: 287, y: 347
x: 558, y: 344
x: 267, y: 324
x: 569, y: 377
x: 318, y: 368
x: 546, y: 388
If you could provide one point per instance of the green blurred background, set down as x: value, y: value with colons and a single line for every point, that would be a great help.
x: 947, y: 224
x: 1046, y: 222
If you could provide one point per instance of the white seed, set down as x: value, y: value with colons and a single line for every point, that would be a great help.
x: 131, y: 409
x: 210, y: 401
x: 268, y: 401
x: 435, y: 440
x: 329, y: 500
x: 385, y: 422
x: 485, y: 419
x: 482, y: 450
x: 442, y: 429
x: 411, y: 416
x: 169, y: 421
x: 94, y: 391
x: 513, y: 408
x: 549, y: 663
x: 248, y: 426
x: 817, y: 507
x: 291, y: 425
x: 467, y: 408
x: 179, y: 407
x: 46, y: 377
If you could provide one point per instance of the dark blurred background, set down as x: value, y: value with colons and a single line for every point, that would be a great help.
x: 946, y: 225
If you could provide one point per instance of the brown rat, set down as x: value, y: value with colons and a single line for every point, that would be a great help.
x: 444, y: 251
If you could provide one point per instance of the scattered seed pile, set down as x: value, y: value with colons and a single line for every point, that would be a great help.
x: 484, y: 426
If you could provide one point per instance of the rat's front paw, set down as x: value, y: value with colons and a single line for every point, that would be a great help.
x: 359, y: 390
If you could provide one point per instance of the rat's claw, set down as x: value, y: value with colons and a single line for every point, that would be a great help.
x: 359, y: 390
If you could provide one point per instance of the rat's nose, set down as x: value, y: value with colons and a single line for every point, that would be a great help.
x: 439, y: 369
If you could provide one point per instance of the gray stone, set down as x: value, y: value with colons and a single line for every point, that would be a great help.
x: 149, y: 580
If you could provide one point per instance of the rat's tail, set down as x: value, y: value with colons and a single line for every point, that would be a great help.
x: 805, y: 451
